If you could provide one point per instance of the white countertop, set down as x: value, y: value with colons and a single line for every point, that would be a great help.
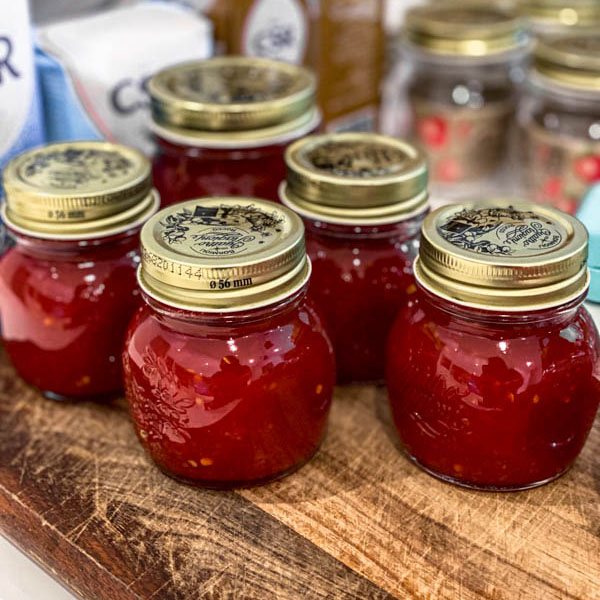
x: 22, y: 579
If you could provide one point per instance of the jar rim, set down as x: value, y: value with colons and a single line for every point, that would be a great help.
x: 471, y: 30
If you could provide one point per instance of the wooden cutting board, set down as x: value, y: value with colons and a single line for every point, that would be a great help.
x: 79, y: 496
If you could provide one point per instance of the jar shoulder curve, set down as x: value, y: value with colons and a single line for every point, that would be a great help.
x: 297, y: 334
x: 425, y: 334
x: 60, y: 279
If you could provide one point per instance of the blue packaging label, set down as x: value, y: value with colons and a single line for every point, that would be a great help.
x: 20, y: 110
x: 20, y: 107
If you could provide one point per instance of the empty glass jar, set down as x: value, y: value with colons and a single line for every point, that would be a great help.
x: 461, y: 89
x: 560, y: 118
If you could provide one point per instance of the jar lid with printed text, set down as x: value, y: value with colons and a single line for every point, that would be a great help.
x: 355, y: 179
x: 75, y: 190
x: 509, y: 255
x: 223, y: 254
x: 233, y: 100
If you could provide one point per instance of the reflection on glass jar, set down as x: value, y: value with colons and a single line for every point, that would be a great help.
x: 560, y: 119
x: 228, y: 371
x: 493, y: 369
x: 559, y: 17
x: 67, y: 287
x: 363, y: 198
x: 223, y: 124
x: 462, y: 86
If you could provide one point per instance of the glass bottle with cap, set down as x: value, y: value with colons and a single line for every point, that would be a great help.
x: 222, y: 125
x: 363, y: 198
x: 560, y: 118
x: 228, y: 371
x: 465, y: 60
x: 68, y: 287
x: 559, y: 17
x: 493, y: 369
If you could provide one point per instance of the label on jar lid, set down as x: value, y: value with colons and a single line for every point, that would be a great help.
x: 357, y: 158
x: 77, y: 168
x: 76, y: 181
x: 234, y: 84
x: 355, y: 179
x: 502, y: 231
x: 223, y: 254
x: 222, y: 230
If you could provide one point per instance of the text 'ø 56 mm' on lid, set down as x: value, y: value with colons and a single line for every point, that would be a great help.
x: 223, y: 254
x: 508, y: 255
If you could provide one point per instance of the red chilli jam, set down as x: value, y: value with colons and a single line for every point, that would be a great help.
x: 228, y: 371
x: 223, y: 124
x: 492, y: 369
x: 363, y: 198
x: 68, y: 287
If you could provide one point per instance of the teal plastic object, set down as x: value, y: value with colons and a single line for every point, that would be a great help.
x: 589, y: 215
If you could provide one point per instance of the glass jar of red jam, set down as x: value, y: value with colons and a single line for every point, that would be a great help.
x: 68, y: 286
x: 363, y: 198
x: 229, y: 373
x: 462, y: 91
x: 560, y: 119
x: 222, y: 125
x: 493, y: 368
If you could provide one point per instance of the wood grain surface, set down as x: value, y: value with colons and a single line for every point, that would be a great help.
x: 78, y: 495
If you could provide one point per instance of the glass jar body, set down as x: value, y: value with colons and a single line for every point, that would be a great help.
x: 561, y: 132
x: 462, y: 111
x: 65, y: 307
x: 184, y: 172
x: 491, y: 401
x: 229, y: 399
x: 361, y: 278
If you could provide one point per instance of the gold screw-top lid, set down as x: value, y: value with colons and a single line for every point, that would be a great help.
x: 73, y: 189
x: 503, y: 255
x: 572, y: 61
x: 558, y: 13
x: 223, y: 254
x: 355, y: 179
x: 465, y: 29
x: 233, y: 98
